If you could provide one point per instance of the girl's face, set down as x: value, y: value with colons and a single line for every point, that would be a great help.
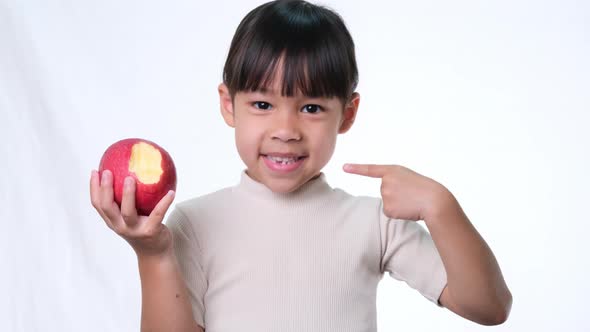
x: 285, y: 141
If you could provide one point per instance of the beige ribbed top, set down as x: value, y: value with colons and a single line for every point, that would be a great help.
x: 255, y: 261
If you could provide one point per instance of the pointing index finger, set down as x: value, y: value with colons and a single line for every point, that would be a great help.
x: 371, y: 170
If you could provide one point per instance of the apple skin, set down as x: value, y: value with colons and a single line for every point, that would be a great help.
x: 117, y: 157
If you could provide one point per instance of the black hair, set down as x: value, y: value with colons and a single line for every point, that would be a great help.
x: 312, y: 42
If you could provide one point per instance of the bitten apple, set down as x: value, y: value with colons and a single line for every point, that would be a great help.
x: 148, y: 163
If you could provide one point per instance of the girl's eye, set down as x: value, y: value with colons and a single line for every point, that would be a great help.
x: 261, y: 105
x: 311, y: 108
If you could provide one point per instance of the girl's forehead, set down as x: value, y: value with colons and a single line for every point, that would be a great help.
x: 275, y: 87
x: 275, y: 80
x: 281, y: 78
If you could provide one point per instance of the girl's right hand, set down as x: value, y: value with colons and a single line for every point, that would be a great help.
x: 146, y: 234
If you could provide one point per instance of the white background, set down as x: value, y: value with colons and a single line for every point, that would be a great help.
x: 490, y: 98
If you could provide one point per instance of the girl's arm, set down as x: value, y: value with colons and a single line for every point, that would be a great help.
x: 165, y: 304
x: 475, y: 286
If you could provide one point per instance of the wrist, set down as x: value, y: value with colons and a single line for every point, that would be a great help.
x: 154, y: 261
x: 443, y: 204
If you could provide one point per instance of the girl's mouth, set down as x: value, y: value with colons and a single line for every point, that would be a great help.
x: 283, y: 163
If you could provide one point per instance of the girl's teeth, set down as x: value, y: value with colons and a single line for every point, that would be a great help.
x: 282, y: 160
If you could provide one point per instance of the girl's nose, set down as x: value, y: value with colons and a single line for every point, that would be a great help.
x: 286, y: 127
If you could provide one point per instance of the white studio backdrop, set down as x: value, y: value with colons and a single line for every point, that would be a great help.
x: 490, y: 98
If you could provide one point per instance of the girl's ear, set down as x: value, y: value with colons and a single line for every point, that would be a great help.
x: 226, y: 105
x: 349, y: 114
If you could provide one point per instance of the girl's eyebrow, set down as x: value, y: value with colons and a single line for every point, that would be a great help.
x: 270, y: 92
x: 262, y: 91
x: 266, y: 91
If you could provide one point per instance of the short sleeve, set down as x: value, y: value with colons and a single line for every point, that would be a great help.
x: 408, y: 253
x: 188, y: 253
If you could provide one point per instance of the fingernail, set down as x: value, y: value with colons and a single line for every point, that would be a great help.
x: 104, y: 176
x: 128, y: 181
x: 170, y: 193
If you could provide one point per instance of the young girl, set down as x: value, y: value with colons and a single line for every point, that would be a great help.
x: 282, y: 250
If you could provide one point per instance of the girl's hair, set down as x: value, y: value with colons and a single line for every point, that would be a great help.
x: 311, y: 42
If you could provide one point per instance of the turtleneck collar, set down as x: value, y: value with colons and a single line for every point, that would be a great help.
x: 309, y: 191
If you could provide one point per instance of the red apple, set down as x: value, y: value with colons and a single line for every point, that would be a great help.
x: 148, y: 163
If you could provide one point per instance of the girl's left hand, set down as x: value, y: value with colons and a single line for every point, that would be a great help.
x: 406, y: 194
